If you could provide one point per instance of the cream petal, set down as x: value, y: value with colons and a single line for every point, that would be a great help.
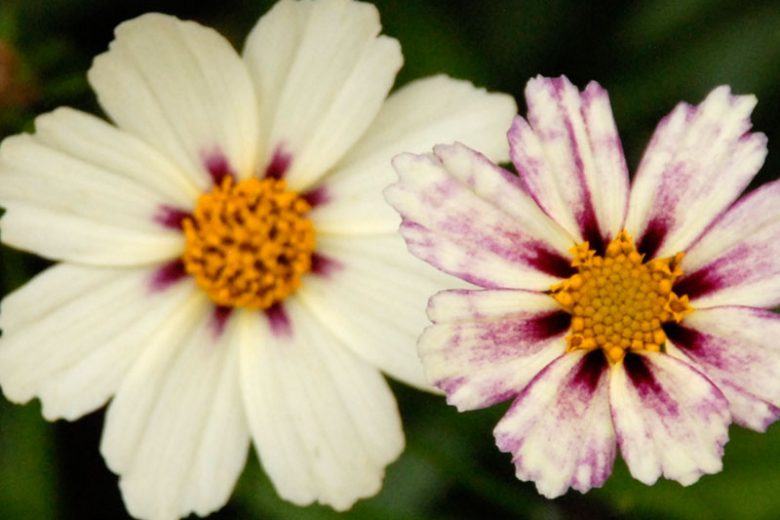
x: 61, y: 236
x: 737, y: 260
x: 324, y: 423
x: 736, y: 347
x: 321, y: 74
x: 414, y: 119
x: 184, y: 90
x: 176, y: 432
x: 670, y: 419
x: 559, y: 430
x: 697, y: 163
x: 373, y: 299
x: 570, y: 156
x: 93, y: 141
x: 468, y: 217
x: 71, y: 334
x: 485, y: 346
x: 103, y: 197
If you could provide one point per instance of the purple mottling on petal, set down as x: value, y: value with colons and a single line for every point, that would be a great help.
x: 317, y: 197
x: 650, y: 390
x: 590, y: 370
x: 218, y: 167
x: 450, y: 385
x: 280, y: 163
x: 324, y: 266
x: 170, y: 217
x: 653, y: 237
x: 548, y: 261
x: 281, y: 327
x: 167, y: 275
x: 219, y: 319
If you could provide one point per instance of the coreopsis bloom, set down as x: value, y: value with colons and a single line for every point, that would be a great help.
x: 228, y: 271
x: 614, y: 315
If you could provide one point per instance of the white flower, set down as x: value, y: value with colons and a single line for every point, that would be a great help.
x: 227, y: 268
x: 653, y: 346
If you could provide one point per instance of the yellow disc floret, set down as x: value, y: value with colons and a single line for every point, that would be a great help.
x: 248, y: 243
x: 617, y: 301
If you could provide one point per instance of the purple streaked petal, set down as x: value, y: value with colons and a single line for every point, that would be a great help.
x: 317, y: 197
x: 219, y: 320
x: 669, y: 418
x: 736, y: 347
x: 323, y: 265
x: 468, y: 217
x: 218, y: 167
x: 487, y: 345
x: 279, y: 164
x: 167, y: 275
x: 559, y: 430
x: 737, y: 260
x: 697, y: 163
x: 171, y: 218
x: 571, y: 159
x: 279, y: 321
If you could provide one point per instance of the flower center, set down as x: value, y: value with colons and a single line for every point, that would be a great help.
x: 249, y: 243
x: 619, y: 303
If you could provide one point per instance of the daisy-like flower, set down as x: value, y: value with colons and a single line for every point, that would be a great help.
x: 614, y: 315
x: 228, y: 271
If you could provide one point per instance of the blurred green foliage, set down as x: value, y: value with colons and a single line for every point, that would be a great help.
x: 649, y: 55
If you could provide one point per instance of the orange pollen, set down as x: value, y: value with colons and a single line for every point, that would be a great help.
x: 618, y: 302
x: 249, y: 243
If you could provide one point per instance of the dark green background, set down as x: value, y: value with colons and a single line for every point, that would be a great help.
x: 649, y: 55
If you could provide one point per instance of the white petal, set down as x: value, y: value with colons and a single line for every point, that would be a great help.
x: 470, y: 218
x: 737, y: 260
x: 183, y: 89
x: 93, y: 141
x: 82, y: 191
x: 669, y: 418
x: 414, y: 119
x: 697, y: 163
x: 321, y: 74
x: 176, y: 432
x: 571, y: 158
x: 737, y: 348
x: 71, y: 333
x: 62, y: 236
x: 485, y: 346
x: 559, y: 430
x: 374, y: 300
x: 324, y: 423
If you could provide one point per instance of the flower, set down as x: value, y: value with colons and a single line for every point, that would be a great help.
x: 228, y: 271
x: 613, y: 315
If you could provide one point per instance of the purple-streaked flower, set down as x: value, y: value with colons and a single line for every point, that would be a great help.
x: 228, y: 271
x: 612, y: 314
